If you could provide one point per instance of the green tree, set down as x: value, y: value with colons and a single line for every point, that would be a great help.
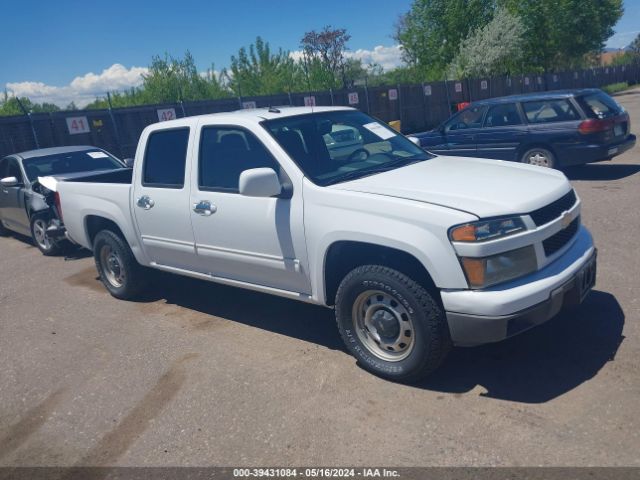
x: 259, y: 71
x: 324, y: 58
x: 10, y: 105
x: 561, y: 33
x: 494, y: 49
x: 431, y: 32
x: 171, y: 79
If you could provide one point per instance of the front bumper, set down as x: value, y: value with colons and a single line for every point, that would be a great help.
x: 484, y: 316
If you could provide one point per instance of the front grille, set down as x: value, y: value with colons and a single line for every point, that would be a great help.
x: 556, y: 242
x: 554, y: 209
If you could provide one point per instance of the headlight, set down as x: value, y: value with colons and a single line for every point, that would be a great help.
x: 486, y: 271
x: 486, y: 229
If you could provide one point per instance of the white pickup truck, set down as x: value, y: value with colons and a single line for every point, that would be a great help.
x: 416, y: 252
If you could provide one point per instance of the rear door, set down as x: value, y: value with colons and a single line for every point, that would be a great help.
x: 13, y: 212
x: 461, y: 130
x: 161, y: 198
x: 502, y: 134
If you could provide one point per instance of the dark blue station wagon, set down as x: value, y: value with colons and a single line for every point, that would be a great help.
x: 550, y: 129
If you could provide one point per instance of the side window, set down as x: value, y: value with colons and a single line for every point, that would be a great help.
x: 469, y: 118
x: 165, y: 158
x: 503, y: 115
x: 546, y: 111
x: 225, y: 152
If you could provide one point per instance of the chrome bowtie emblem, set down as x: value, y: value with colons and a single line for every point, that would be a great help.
x: 566, y: 219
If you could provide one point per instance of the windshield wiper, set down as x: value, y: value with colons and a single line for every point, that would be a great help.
x: 365, y: 172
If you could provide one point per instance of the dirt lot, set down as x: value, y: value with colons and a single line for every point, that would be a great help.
x: 198, y: 374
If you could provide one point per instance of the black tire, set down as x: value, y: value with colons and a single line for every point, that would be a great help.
x: 539, y: 156
x: 48, y: 246
x: 429, y: 330
x: 3, y: 231
x: 119, y: 271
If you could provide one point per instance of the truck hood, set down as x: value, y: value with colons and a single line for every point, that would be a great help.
x: 485, y: 188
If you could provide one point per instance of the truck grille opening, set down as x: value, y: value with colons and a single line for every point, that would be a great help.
x: 556, y: 242
x: 554, y: 209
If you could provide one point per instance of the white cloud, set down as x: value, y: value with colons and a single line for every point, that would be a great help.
x: 82, y: 90
x: 387, y: 57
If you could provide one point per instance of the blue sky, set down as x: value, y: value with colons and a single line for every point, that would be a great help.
x: 57, y: 50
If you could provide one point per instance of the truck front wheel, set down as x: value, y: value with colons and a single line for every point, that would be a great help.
x: 119, y: 271
x: 391, y: 324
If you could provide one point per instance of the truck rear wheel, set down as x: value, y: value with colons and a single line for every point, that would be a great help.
x: 391, y: 324
x: 119, y: 271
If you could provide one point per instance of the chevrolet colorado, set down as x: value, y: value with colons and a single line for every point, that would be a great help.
x: 415, y: 252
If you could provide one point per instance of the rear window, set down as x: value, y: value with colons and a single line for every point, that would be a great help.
x: 547, y: 111
x: 69, y: 162
x: 599, y: 105
x: 165, y: 158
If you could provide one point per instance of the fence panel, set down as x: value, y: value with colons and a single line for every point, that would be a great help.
x: 418, y: 107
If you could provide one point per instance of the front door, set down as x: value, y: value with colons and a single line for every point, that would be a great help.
x: 13, y: 212
x: 161, y: 199
x: 246, y: 239
x: 461, y: 130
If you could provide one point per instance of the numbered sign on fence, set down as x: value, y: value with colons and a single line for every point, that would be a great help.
x: 249, y: 105
x: 539, y: 80
x: 458, y: 87
x: 427, y: 90
x: 165, y: 114
x: 526, y: 80
x: 555, y: 78
x: 310, y: 101
x: 353, y: 98
x: 393, y: 94
x: 483, y: 85
x: 77, y: 125
x: 508, y: 81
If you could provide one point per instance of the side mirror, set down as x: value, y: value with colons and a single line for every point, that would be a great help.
x: 415, y: 140
x: 129, y: 162
x: 9, y: 182
x: 260, y: 182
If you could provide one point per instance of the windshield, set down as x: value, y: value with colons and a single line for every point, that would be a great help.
x: 332, y: 147
x: 69, y: 162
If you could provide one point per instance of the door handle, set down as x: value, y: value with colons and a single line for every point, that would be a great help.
x: 5, y: 191
x: 204, y: 207
x: 145, y: 202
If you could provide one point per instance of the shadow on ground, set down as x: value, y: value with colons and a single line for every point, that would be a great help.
x: 533, y: 367
x: 602, y: 171
x: 543, y: 363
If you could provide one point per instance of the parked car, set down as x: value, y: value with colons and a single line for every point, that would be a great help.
x: 29, y: 207
x: 550, y: 129
x: 414, y: 255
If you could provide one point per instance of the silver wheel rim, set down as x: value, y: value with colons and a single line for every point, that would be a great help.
x: 40, y: 234
x: 539, y: 158
x: 383, y: 325
x: 112, y: 266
